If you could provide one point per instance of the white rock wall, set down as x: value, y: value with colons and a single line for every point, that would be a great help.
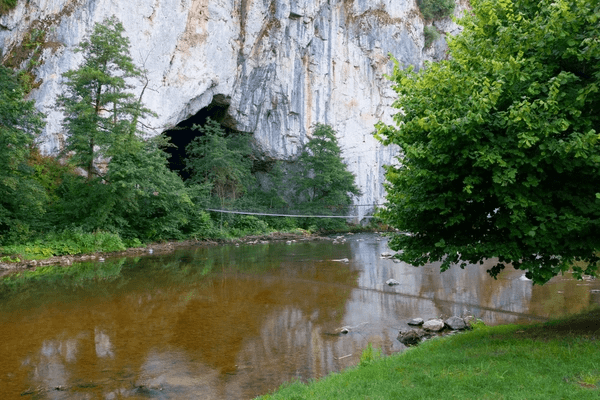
x: 285, y: 64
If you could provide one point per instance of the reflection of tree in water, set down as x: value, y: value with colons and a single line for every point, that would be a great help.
x: 453, y: 292
x: 204, y: 305
x: 235, y: 319
x: 232, y: 311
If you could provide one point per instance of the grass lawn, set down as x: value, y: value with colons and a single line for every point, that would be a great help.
x: 556, y: 360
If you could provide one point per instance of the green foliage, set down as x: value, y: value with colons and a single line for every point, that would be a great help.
x: 500, y: 154
x: 7, y: 5
x: 431, y: 35
x: 220, y: 161
x: 436, y: 9
x: 48, y: 172
x: 67, y: 242
x: 101, y: 114
x: 282, y: 224
x: 249, y: 225
x: 21, y: 199
x: 146, y: 199
x: 369, y: 356
x: 139, y: 197
x: 200, y: 225
x: 323, y: 184
x: 323, y: 178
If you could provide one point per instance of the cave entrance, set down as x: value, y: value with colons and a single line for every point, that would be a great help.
x: 183, y: 133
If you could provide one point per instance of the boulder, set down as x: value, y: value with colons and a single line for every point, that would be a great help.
x: 410, y: 338
x: 456, y: 323
x: 434, y: 325
x: 392, y: 282
x: 416, y: 322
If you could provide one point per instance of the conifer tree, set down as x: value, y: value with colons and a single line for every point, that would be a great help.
x: 138, y: 195
x: 323, y: 179
x: 99, y: 108
x: 220, y: 161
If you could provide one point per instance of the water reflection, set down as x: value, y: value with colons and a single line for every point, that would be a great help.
x: 233, y: 323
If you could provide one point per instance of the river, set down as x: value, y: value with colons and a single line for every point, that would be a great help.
x: 234, y: 322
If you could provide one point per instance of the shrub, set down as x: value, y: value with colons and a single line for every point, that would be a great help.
x: 431, y: 35
x: 7, y: 5
x: 285, y: 224
x: 436, y: 9
x: 67, y: 242
x: 200, y: 225
x: 369, y: 356
x: 249, y: 224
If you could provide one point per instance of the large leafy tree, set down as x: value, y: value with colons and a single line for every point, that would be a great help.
x: 20, y: 123
x: 100, y: 110
x: 500, y: 152
x: 323, y: 180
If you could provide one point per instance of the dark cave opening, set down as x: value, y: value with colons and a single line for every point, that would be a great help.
x: 182, y: 135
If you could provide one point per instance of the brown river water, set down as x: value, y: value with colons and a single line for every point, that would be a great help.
x: 233, y: 322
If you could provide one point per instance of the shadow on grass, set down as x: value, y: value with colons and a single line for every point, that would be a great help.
x: 583, y: 325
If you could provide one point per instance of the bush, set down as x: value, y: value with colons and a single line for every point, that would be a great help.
x: 200, y: 225
x: 370, y: 356
x: 68, y: 242
x: 284, y: 224
x: 249, y: 224
x: 7, y: 5
x: 436, y: 9
x: 431, y: 35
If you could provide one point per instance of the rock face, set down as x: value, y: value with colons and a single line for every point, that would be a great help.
x: 280, y: 65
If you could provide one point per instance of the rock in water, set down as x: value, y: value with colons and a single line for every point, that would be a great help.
x: 434, y: 325
x: 410, y: 338
x: 456, y: 323
x: 416, y: 322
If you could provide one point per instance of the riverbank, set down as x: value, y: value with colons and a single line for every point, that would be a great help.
x: 26, y: 263
x: 559, y: 359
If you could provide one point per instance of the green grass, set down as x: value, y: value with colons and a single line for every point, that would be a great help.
x: 557, y: 360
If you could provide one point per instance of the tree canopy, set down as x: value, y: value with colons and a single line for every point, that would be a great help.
x: 220, y: 161
x: 500, y: 153
x: 323, y: 179
x: 20, y: 124
x: 136, y: 195
x: 99, y: 108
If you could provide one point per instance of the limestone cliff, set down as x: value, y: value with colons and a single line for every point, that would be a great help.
x: 281, y: 65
